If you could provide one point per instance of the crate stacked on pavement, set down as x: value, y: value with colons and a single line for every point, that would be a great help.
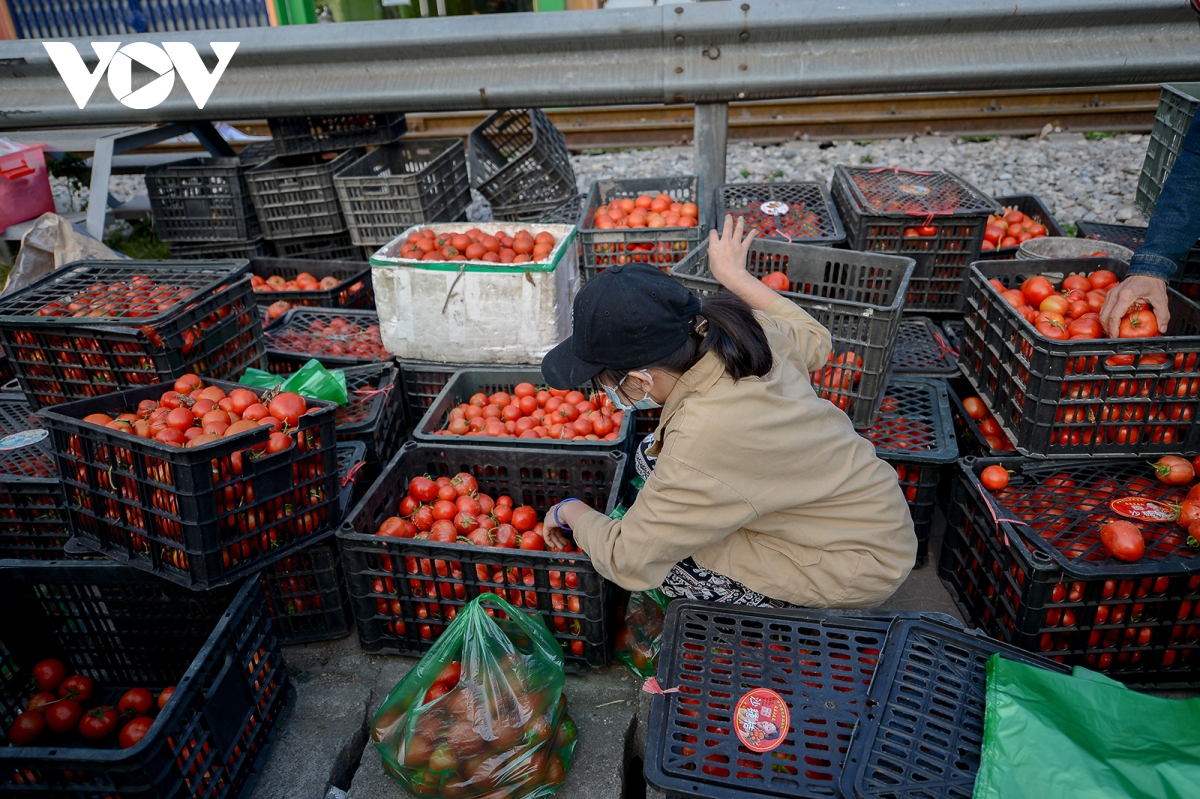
x: 1026, y: 565
x: 126, y: 629
x: 603, y: 246
x: 424, y: 380
x: 201, y: 516
x: 202, y: 207
x: 914, y: 434
x: 403, y: 184
x: 1187, y: 277
x: 1120, y: 397
x: 404, y: 591
x: 857, y: 296
x: 936, y: 218
x: 801, y: 212
x: 922, y: 349
x: 520, y: 164
x: 93, y: 327
x: 334, y: 336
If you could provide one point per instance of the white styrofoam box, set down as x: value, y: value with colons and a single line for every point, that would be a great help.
x: 469, y: 312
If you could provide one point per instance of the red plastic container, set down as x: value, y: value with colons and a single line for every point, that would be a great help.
x: 24, y: 183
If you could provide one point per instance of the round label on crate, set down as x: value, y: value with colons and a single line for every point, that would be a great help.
x: 762, y: 719
x: 1145, y: 510
x: 23, y: 439
x: 917, y: 191
x: 774, y: 208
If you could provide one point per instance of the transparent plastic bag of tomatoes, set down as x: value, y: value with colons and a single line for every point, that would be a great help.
x: 640, y: 638
x: 483, y: 714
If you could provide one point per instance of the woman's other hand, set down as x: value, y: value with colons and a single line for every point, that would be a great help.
x: 568, y: 513
x: 727, y: 262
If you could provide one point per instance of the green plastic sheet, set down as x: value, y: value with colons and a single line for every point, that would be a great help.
x: 310, y: 380
x: 1083, y: 736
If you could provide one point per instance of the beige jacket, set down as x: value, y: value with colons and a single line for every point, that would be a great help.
x: 765, y: 482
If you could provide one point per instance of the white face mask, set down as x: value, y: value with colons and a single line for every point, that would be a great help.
x: 645, y: 403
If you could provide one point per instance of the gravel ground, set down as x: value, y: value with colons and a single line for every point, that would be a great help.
x: 1076, y: 177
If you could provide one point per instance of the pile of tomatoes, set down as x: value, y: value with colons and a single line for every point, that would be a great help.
x: 902, y: 191
x: 988, y: 427
x: 1072, y: 311
x: 58, y: 714
x: 452, y: 510
x: 302, y: 282
x: 645, y: 211
x: 191, y: 415
x: 795, y: 224
x: 528, y: 412
x: 139, y: 296
x: 337, y: 336
x: 522, y: 247
x: 835, y: 381
x: 1011, y: 229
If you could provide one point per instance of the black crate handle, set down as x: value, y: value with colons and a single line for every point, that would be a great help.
x: 225, y: 705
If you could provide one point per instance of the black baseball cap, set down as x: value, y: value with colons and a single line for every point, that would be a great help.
x: 626, y: 317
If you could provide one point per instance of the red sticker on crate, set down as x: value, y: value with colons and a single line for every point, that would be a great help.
x: 1145, y: 510
x: 762, y: 720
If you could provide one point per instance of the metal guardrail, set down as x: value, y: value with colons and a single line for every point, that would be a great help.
x: 702, y: 53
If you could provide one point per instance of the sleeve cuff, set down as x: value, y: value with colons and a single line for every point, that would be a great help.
x: 1151, y: 266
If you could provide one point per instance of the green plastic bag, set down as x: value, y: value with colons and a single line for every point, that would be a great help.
x: 310, y: 380
x: 1083, y: 736
x: 640, y: 638
x: 483, y: 713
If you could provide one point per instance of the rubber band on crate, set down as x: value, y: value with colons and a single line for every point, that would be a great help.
x: 651, y: 686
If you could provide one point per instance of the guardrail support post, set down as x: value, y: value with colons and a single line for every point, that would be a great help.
x: 709, y: 138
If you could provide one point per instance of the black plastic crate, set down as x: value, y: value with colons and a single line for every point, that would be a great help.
x: 305, y: 592
x: 403, y: 184
x: 565, y: 213
x: 1026, y: 566
x: 224, y: 250
x: 374, y: 415
x: 201, y: 199
x: 199, y: 517
x: 821, y: 663
x: 319, y: 248
x: 257, y: 152
x: 1032, y: 206
x: 663, y: 247
x: 33, y: 509
x: 1088, y: 397
x: 1177, y: 105
x: 289, y: 346
x: 403, y: 591
x: 353, y: 289
x: 211, y: 327
x: 424, y: 380
x: 858, y: 297
x: 879, y: 206
x: 922, y: 349
x: 922, y: 735
x: 915, y: 436
x: 294, y: 195
x: 800, y: 212
x: 322, y: 134
x: 1187, y: 276
x: 463, y: 385
x: 126, y: 629
x: 519, y: 159
x: 351, y: 460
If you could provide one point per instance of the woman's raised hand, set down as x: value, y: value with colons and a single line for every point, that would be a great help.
x: 727, y: 262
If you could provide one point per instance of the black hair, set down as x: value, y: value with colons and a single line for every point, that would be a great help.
x: 727, y: 327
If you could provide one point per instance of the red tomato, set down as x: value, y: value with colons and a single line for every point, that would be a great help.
x: 133, y: 732
x: 1036, y: 289
x: 63, y: 715
x: 1174, y: 471
x: 1078, y: 282
x: 98, y: 723
x: 49, y: 674
x: 1123, y: 540
x: 524, y: 518
x: 975, y: 408
x: 994, y: 477
x: 26, y: 728
x: 77, y: 686
x: 136, y: 702
x: 532, y: 541
x: 1102, y: 279
x: 506, y: 536
x: 1138, y: 324
x: 288, y: 408
x: 777, y: 281
x: 165, y: 696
